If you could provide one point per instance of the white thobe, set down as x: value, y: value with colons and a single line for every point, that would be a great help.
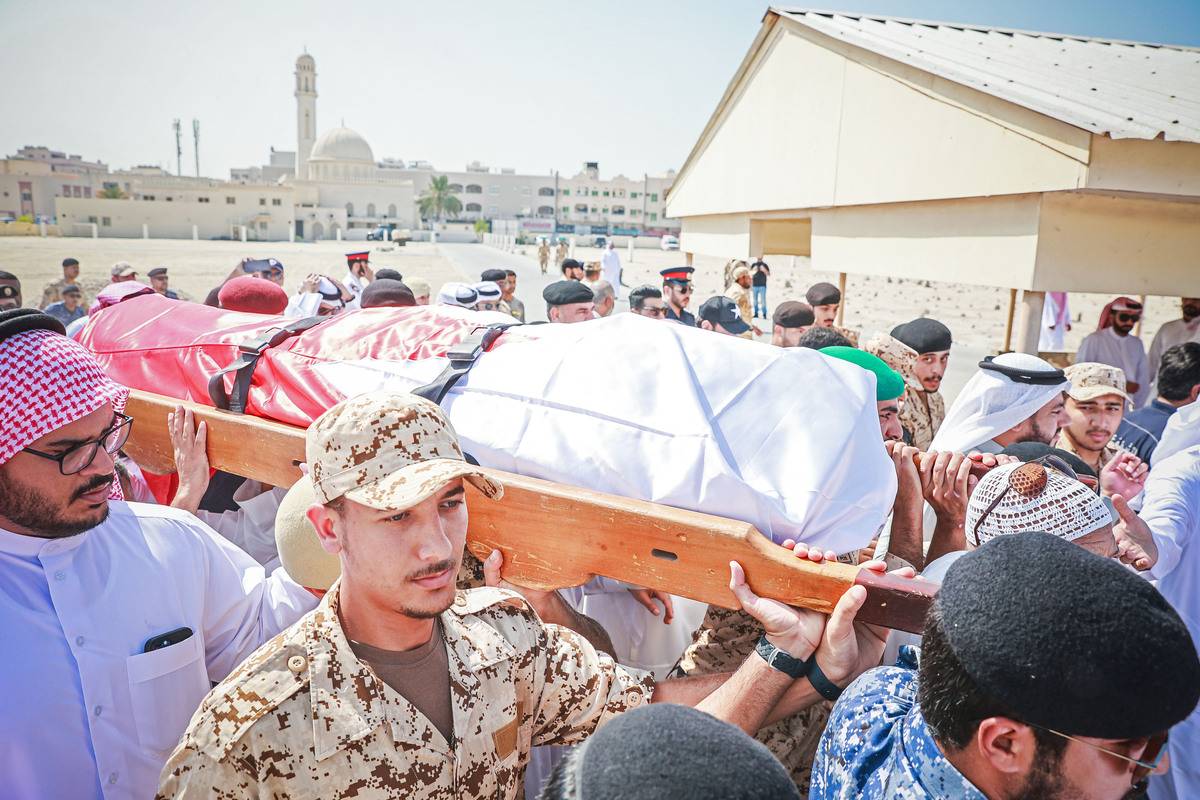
x: 610, y: 270
x: 84, y: 712
x: 1054, y: 325
x: 1177, y: 331
x: 355, y: 286
x: 302, y: 305
x: 252, y: 526
x: 1171, y: 508
x: 1127, y: 352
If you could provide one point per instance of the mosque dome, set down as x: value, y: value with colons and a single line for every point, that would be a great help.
x: 342, y: 144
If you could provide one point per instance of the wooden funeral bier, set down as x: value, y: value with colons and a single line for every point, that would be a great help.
x: 555, y: 536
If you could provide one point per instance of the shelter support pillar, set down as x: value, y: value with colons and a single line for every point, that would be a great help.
x: 145, y: 231
x: 1030, y: 328
x: 841, y: 291
x: 1008, y: 322
x: 688, y: 258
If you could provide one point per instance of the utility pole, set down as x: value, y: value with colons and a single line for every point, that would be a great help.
x: 178, y: 147
x: 196, y: 139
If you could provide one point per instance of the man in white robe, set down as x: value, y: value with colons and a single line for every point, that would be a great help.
x: 1177, y: 331
x: 1113, y: 344
x: 1056, y: 321
x: 610, y: 268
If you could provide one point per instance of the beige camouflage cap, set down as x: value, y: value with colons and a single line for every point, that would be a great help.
x: 1090, y: 380
x: 387, y: 450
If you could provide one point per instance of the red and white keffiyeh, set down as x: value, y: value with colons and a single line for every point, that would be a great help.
x: 48, y: 381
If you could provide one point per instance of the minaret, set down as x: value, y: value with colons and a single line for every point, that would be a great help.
x: 306, y: 112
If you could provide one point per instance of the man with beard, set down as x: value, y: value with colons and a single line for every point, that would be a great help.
x: 572, y: 270
x: 399, y: 685
x: 825, y: 298
x: 1112, y: 344
x: 1095, y: 406
x: 970, y: 723
x: 924, y: 408
x: 1177, y: 331
x: 789, y: 322
x: 677, y: 291
x: 116, y: 617
x: 1014, y: 397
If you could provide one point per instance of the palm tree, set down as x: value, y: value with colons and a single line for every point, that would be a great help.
x: 437, y: 200
x: 111, y: 192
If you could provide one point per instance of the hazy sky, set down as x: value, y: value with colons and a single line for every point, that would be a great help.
x: 532, y: 85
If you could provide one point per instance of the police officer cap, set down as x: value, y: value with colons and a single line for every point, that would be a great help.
x: 723, y: 310
x: 493, y: 275
x: 823, y: 294
x: 681, y: 274
x: 157, y: 272
x: 708, y: 760
x: 793, y: 314
x: 923, y: 335
x: 1068, y: 640
x: 562, y: 293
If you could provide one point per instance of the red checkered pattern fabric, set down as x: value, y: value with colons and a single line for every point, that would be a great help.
x: 48, y: 381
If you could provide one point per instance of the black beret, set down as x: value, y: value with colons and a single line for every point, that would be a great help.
x: 823, y: 294
x: 386, y: 292
x: 570, y: 263
x: 20, y: 320
x: 70, y: 262
x: 493, y: 275
x: 1031, y: 451
x: 156, y: 272
x: 561, y: 293
x: 923, y: 335
x: 1068, y: 640
x: 707, y: 759
x: 388, y: 273
x: 793, y: 314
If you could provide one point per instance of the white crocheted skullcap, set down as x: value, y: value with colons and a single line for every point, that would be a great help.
x: 1041, y: 499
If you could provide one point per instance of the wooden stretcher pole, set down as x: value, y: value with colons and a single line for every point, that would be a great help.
x: 842, y: 305
x: 1008, y: 322
x: 555, y: 536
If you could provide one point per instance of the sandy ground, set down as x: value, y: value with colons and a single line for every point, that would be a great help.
x: 196, y: 267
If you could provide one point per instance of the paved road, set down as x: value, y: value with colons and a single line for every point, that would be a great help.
x: 472, y: 259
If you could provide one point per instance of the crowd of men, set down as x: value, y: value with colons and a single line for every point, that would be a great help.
x: 334, y: 639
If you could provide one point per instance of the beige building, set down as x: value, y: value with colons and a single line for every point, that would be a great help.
x: 954, y: 153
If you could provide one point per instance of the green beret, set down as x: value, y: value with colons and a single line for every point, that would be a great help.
x: 888, y: 383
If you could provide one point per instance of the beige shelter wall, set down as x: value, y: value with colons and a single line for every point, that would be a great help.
x: 780, y: 237
x: 814, y: 122
x: 724, y: 237
x: 1118, y: 244
x: 982, y: 241
x: 1151, y: 166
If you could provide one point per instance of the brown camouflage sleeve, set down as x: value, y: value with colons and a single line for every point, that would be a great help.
x: 192, y: 774
x: 580, y: 688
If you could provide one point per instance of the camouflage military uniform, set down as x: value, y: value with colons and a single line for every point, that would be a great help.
x: 879, y: 747
x: 741, y: 295
x: 851, y: 335
x: 724, y: 640
x: 304, y: 718
x: 53, y: 293
x: 921, y: 415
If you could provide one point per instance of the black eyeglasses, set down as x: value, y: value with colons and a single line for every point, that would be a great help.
x: 1020, y: 480
x: 81, y: 456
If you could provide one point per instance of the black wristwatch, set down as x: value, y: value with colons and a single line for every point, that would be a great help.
x: 824, y: 687
x: 780, y: 660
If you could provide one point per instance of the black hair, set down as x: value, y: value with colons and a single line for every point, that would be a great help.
x: 512, y: 273
x: 1179, y: 371
x: 818, y: 338
x: 953, y: 704
x: 560, y: 783
x: 637, y: 297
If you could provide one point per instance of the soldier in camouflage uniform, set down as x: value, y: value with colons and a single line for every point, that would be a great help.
x: 825, y: 298
x: 924, y: 408
x: 317, y: 711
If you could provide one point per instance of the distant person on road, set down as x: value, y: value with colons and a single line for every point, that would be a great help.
x: 647, y: 301
x: 758, y: 286
x: 10, y: 291
x: 543, y: 255
x: 509, y: 289
x: 1056, y: 322
x: 1112, y: 344
x: 560, y: 253
x: 70, y: 308
x: 53, y: 292
x: 610, y: 267
x: 159, y: 282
